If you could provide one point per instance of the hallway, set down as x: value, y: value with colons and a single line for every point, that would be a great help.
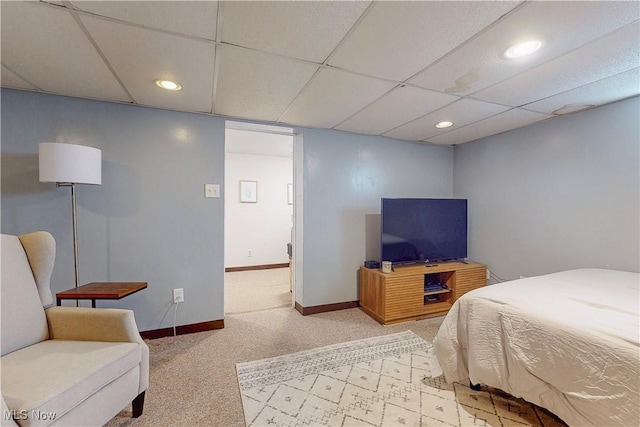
x: 256, y: 290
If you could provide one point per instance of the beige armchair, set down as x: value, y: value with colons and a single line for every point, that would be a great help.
x: 62, y: 365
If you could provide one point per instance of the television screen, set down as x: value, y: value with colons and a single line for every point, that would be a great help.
x: 423, y: 230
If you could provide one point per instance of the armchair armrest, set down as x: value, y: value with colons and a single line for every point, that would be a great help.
x: 92, y: 324
x: 99, y: 324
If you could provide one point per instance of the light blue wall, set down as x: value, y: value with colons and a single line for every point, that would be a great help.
x: 148, y: 221
x: 559, y: 194
x: 556, y: 195
x: 345, y: 175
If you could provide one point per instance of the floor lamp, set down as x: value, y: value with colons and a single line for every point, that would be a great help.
x: 68, y: 165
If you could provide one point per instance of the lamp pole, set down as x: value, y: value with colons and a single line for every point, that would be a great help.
x: 75, y: 228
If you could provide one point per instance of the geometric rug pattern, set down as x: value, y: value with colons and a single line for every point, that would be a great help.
x: 392, y: 380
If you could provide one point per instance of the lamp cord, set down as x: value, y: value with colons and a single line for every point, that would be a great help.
x: 175, y: 314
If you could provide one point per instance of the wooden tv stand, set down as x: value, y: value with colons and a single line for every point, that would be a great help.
x: 401, y: 295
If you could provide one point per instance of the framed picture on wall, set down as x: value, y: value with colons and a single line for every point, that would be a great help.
x: 248, y: 191
x: 290, y: 194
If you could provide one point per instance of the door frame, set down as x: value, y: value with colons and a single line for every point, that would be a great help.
x: 298, y: 200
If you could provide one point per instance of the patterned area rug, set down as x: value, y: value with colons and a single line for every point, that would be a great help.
x: 392, y: 380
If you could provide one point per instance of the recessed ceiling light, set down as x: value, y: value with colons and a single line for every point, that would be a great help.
x: 519, y: 50
x: 443, y: 125
x: 168, y: 84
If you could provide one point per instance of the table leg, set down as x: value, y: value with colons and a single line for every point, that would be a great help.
x: 93, y: 303
x: 58, y: 302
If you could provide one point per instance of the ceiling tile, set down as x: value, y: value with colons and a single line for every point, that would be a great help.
x: 479, y: 63
x: 612, y: 54
x: 307, y: 30
x: 257, y: 85
x: 396, y: 108
x: 398, y: 39
x: 34, y: 34
x: 140, y: 56
x: 461, y: 113
x: 499, y: 123
x: 333, y: 96
x: 193, y: 18
x: 12, y: 80
x: 113, y: 51
x: 620, y: 86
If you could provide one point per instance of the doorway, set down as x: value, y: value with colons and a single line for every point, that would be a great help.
x: 259, y: 217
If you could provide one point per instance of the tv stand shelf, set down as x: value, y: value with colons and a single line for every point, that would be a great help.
x: 417, y: 291
x: 444, y: 291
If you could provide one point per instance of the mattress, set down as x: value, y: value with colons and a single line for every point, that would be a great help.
x: 567, y: 341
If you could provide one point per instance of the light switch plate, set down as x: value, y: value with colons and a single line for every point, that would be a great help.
x: 212, y: 190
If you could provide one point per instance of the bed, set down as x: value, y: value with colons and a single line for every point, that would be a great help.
x: 566, y: 341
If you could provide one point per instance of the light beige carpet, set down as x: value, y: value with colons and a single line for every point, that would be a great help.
x: 193, y: 379
x: 255, y: 290
x: 391, y: 380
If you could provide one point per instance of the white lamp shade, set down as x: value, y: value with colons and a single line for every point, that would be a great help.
x: 69, y: 163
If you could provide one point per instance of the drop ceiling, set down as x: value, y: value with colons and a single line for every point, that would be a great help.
x: 378, y: 68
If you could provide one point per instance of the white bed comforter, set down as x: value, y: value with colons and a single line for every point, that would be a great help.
x: 566, y: 341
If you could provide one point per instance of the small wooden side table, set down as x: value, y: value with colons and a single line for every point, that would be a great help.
x: 101, y: 290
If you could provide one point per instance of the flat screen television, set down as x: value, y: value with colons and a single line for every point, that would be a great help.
x: 423, y: 230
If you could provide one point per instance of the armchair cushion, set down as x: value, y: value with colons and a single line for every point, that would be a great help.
x: 55, y: 376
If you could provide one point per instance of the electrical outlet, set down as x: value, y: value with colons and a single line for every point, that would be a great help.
x: 249, y: 253
x: 178, y: 295
x: 212, y: 190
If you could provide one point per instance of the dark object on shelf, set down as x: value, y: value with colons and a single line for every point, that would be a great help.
x: 434, y: 283
x: 372, y: 264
